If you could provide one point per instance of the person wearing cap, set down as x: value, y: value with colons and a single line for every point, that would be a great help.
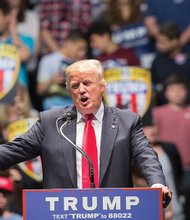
x: 119, y: 138
x: 6, y: 193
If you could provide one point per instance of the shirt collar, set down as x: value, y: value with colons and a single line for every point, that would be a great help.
x: 98, y: 115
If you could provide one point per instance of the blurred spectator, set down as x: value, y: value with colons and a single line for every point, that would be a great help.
x: 51, y: 72
x: 128, y: 30
x: 57, y: 18
x: 20, y: 107
x: 98, y: 8
x: 171, y: 163
x: 173, y: 118
x: 8, y: 34
x: 114, y: 56
x: 140, y: 181
x: 15, y: 176
x: 79, y: 14
x: 27, y: 24
x: 6, y: 196
x: 173, y: 121
x: 171, y: 58
x: 110, y: 54
x: 162, y: 11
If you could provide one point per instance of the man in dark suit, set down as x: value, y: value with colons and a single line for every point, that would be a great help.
x: 119, y: 136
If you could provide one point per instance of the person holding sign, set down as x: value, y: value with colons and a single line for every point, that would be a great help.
x: 9, y: 35
x: 115, y: 135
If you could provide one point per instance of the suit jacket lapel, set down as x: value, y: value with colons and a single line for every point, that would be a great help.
x: 109, y: 132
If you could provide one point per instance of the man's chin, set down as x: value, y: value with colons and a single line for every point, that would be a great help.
x: 86, y: 109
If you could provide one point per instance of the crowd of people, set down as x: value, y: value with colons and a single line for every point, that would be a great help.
x: 155, y: 35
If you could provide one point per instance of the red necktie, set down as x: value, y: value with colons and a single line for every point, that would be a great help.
x: 89, y: 146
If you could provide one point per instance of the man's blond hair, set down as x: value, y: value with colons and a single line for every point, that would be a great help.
x: 88, y: 66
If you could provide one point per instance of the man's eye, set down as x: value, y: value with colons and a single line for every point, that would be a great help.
x: 87, y: 83
x: 75, y: 86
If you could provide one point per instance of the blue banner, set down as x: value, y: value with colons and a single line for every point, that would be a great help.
x: 130, y: 203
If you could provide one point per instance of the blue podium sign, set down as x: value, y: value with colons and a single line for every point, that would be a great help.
x: 99, y: 204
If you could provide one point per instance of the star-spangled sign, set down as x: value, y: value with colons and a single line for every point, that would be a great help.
x: 31, y: 168
x: 9, y: 68
x: 128, y: 87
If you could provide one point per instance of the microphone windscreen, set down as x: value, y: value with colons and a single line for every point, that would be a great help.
x: 70, y: 115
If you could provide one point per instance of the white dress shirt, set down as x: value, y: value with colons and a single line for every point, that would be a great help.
x: 97, y: 124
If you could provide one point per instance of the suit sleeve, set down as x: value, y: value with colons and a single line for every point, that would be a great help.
x: 22, y: 148
x: 144, y: 156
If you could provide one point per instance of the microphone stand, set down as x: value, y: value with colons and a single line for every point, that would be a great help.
x: 90, y: 164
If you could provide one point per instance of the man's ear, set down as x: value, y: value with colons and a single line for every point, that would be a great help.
x: 103, y: 88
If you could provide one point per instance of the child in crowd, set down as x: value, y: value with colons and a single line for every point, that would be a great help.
x: 173, y: 122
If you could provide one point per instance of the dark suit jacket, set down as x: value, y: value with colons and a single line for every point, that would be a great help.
x: 122, y: 140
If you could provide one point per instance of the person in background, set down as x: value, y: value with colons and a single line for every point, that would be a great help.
x: 98, y: 8
x: 139, y: 181
x: 58, y: 18
x: 126, y: 22
x: 170, y: 59
x: 173, y: 122
x: 109, y: 53
x: 172, y: 167
x: 6, y: 196
x: 9, y: 35
x: 27, y: 23
x: 19, y: 108
x: 51, y: 71
x: 117, y: 135
x: 159, y: 12
x: 113, y: 56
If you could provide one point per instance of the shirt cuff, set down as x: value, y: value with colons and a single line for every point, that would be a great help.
x: 157, y: 185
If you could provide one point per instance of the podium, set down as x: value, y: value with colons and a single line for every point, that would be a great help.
x: 99, y: 204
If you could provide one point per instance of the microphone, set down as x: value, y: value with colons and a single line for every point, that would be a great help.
x: 67, y: 117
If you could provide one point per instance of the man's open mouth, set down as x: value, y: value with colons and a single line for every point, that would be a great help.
x: 84, y: 99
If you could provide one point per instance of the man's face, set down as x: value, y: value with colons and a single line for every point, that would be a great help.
x: 166, y: 45
x: 86, y: 91
x: 77, y: 49
x: 4, y: 19
x: 99, y: 42
x: 4, y: 200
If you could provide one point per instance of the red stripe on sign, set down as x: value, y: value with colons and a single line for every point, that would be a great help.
x: 29, y: 165
x: 1, y: 80
x: 134, y: 102
x: 119, y: 100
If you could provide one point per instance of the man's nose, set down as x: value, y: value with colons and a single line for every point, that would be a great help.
x: 82, y: 88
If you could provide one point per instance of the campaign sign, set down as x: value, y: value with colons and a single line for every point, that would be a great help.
x: 9, y: 68
x: 31, y: 168
x: 99, y: 204
x: 128, y: 87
